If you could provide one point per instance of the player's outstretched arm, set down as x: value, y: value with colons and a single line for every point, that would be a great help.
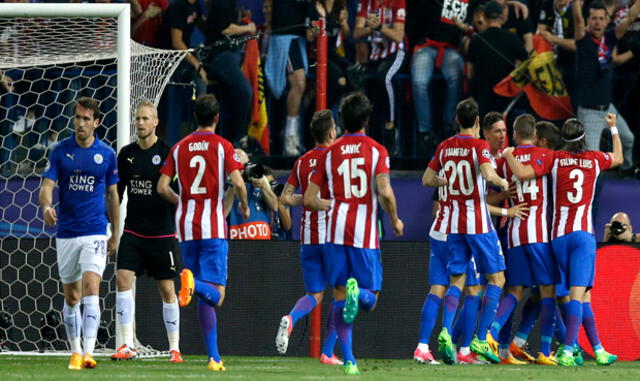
x: 289, y: 198
x: 165, y: 191
x: 240, y: 190
x: 46, y: 200
x: 491, y: 176
x: 522, y: 172
x: 311, y: 200
x: 612, y: 120
x: 388, y: 202
x: 229, y: 197
x: 431, y: 179
x: 113, y: 210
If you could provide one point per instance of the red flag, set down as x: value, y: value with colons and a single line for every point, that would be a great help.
x: 259, y: 125
x: 541, y: 81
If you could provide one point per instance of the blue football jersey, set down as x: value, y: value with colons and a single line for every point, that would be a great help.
x: 83, y: 175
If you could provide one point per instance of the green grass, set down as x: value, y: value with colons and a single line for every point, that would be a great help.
x: 293, y: 368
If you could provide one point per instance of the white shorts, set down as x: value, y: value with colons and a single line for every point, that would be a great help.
x: 75, y: 256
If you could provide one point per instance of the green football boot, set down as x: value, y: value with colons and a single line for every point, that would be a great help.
x: 350, y: 310
x: 351, y: 369
x: 482, y: 348
x: 565, y: 359
x: 445, y: 347
x: 605, y: 358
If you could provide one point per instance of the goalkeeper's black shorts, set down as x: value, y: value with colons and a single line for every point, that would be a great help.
x: 158, y: 256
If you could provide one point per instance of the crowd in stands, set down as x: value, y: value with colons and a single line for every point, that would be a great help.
x: 415, y: 59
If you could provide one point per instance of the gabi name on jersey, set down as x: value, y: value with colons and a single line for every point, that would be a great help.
x: 572, y: 162
x: 83, y: 183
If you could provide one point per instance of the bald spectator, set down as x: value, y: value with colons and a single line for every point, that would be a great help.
x: 619, y: 230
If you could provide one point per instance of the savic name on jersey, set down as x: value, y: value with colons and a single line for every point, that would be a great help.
x: 83, y: 183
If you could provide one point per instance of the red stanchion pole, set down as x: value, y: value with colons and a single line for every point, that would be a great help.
x: 321, y: 104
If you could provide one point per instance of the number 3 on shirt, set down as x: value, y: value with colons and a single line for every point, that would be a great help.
x: 350, y: 169
x: 577, y: 185
x: 198, y: 161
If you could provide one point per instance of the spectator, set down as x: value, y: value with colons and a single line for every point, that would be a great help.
x: 556, y: 26
x: 182, y: 16
x: 478, y: 25
x: 281, y: 217
x: 492, y: 55
x: 619, y: 230
x: 146, y: 20
x: 287, y: 61
x: 494, y: 130
x: 21, y: 140
x: 40, y: 151
x: 520, y: 26
x: 436, y: 48
x: 383, y: 22
x: 224, y: 64
x: 595, y: 54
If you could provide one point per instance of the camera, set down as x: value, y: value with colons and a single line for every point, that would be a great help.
x: 618, y: 228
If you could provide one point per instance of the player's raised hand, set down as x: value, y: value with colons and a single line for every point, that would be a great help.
x: 112, y: 244
x: 518, y: 211
x: 398, y: 227
x: 50, y: 216
x: 504, y: 184
x: 507, y: 150
x: 513, y: 191
x: 611, y: 119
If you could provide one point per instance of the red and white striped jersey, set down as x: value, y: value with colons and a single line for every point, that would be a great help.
x: 313, y: 224
x: 349, y: 168
x: 533, y: 193
x: 460, y: 157
x: 201, y: 160
x: 574, y: 177
x: 389, y: 12
x: 440, y: 223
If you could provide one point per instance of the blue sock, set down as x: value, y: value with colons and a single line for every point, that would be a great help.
x: 573, y: 322
x: 504, y: 337
x: 430, y: 310
x: 451, y: 301
x: 469, y: 318
x: 344, y: 331
x: 530, y: 313
x: 489, y: 308
x: 505, y: 309
x: 560, y: 328
x: 547, y: 317
x: 207, y: 292
x: 589, y: 324
x: 457, y: 328
x: 331, y: 335
x: 366, y: 299
x: 303, y: 307
x: 208, y: 324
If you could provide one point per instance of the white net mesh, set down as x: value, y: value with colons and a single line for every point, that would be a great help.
x: 45, y: 65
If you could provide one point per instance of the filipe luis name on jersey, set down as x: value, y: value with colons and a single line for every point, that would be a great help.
x: 571, y: 161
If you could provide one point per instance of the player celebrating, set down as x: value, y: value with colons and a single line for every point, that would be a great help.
x: 356, y: 171
x: 574, y: 172
x: 313, y: 228
x: 467, y: 165
x: 201, y: 161
x: 85, y: 169
x: 148, y: 241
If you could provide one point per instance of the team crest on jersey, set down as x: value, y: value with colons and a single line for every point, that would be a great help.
x: 606, y: 156
x: 98, y: 158
x: 236, y: 157
x: 486, y: 153
x: 156, y: 159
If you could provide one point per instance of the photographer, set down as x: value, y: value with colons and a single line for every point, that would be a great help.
x: 262, y: 201
x: 281, y: 221
x: 619, y: 230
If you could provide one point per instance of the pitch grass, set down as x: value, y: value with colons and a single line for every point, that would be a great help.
x: 292, y: 368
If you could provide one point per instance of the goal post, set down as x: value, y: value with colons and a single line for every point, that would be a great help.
x: 53, y: 54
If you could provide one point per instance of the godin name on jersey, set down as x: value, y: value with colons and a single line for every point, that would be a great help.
x: 81, y: 183
x: 198, y: 146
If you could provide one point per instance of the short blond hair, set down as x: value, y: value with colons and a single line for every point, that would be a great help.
x: 149, y: 105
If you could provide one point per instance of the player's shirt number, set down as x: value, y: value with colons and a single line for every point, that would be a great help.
x: 198, y: 161
x: 529, y: 187
x: 578, y: 175
x: 350, y: 171
x: 462, y: 173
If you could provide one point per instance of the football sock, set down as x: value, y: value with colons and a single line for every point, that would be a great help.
x: 423, y: 347
x: 73, y: 326
x: 207, y: 292
x: 209, y: 326
x: 504, y: 353
x: 589, y: 324
x: 303, y: 307
x: 573, y: 322
x: 366, y: 299
x: 504, y: 337
x: 331, y: 335
x: 344, y: 331
x: 505, y: 309
x: 457, y: 328
x: 469, y: 318
x: 430, y: 310
x: 560, y: 328
x: 547, y: 315
x: 489, y: 307
x: 171, y: 315
x: 465, y: 350
x: 124, y: 316
x: 451, y: 301
x: 530, y: 313
x: 90, y: 322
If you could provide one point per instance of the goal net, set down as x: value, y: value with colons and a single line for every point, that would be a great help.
x: 50, y: 55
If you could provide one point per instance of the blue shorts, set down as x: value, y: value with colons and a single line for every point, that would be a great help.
x: 562, y: 289
x: 343, y: 262
x: 312, y: 261
x: 484, y: 248
x: 207, y: 259
x: 531, y: 265
x: 576, y: 257
x: 438, y: 273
